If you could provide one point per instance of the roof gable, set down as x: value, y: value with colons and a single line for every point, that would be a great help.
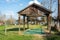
x: 34, y: 5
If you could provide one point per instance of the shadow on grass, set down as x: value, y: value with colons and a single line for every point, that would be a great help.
x: 16, y: 29
x: 52, y: 37
x: 58, y: 33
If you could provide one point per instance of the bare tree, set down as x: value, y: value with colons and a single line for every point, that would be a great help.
x: 11, y: 20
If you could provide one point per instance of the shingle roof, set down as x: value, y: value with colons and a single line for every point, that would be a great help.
x: 41, y: 8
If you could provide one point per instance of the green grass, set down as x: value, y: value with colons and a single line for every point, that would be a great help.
x: 2, y: 27
x: 13, y: 35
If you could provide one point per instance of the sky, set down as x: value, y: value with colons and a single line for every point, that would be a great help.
x: 11, y: 7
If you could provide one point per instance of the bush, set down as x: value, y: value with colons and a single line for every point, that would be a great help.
x: 54, y: 37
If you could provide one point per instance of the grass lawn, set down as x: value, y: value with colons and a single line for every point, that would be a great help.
x: 13, y: 35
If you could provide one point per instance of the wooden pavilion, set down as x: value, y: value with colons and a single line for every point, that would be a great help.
x: 34, y: 10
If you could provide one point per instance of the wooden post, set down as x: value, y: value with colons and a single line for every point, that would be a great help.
x: 28, y: 22
x: 36, y: 21
x: 48, y: 23
x: 24, y: 22
x: 31, y: 21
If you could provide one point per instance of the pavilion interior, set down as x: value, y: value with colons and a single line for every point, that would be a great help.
x: 32, y: 12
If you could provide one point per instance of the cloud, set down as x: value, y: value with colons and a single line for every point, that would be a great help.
x: 14, y: 0
x: 8, y: 13
x: 7, y: 0
x: 11, y: 0
x: 35, y: 1
x: 21, y: 4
